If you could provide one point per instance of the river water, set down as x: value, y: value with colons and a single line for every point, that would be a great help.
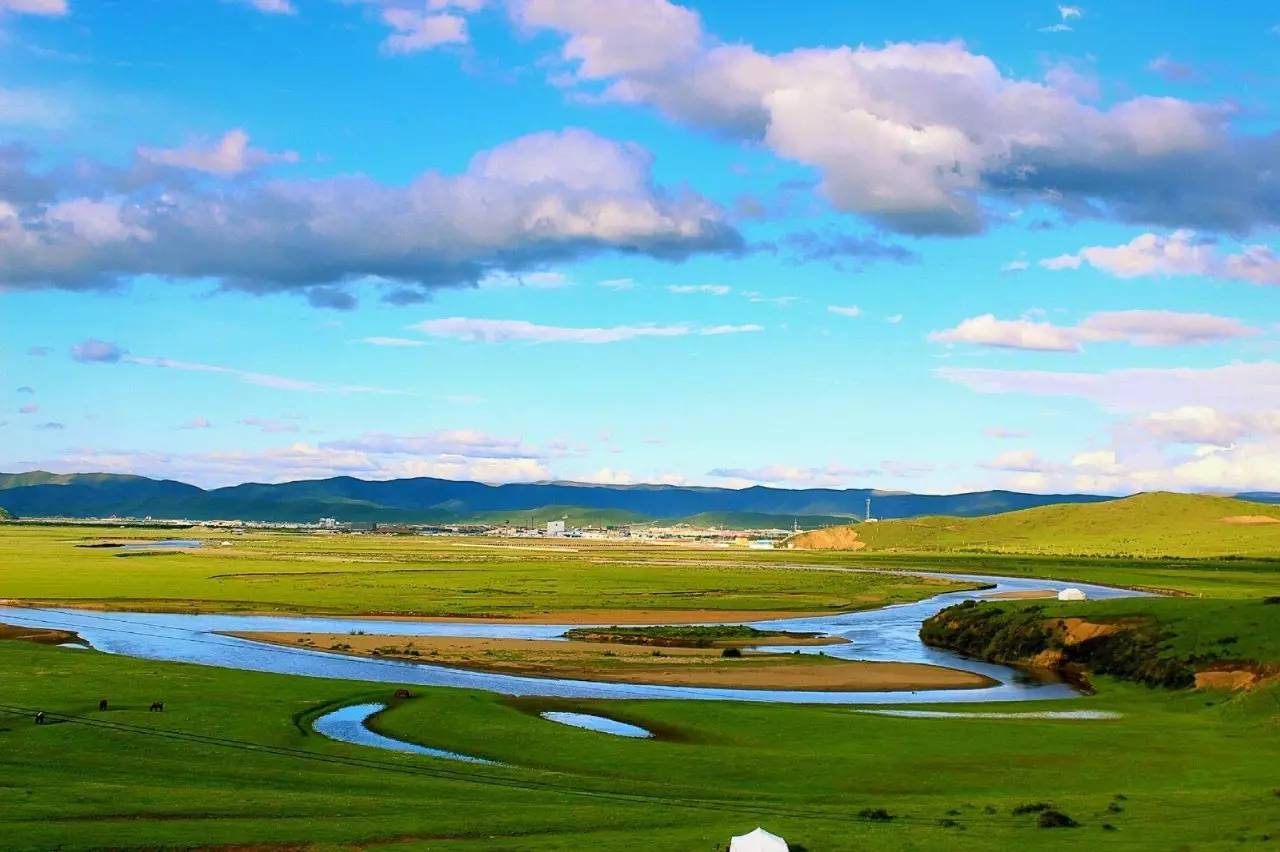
x: 888, y: 634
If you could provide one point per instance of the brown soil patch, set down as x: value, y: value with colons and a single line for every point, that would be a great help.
x: 1233, y: 679
x: 37, y: 634
x: 1250, y: 520
x: 604, y: 661
x: 1077, y: 630
x: 831, y: 538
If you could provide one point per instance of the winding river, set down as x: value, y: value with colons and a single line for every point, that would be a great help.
x: 890, y: 634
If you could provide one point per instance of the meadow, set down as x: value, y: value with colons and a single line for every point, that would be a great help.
x: 417, y: 575
x: 232, y: 762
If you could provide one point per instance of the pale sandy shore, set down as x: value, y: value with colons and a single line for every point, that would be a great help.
x: 618, y: 663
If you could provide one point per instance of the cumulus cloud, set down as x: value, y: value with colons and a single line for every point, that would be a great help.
x: 1171, y: 70
x: 94, y: 351
x: 831, y: 475
x: 230, y: 155
x: 1139, y: 328
x: 535, y: 200
x: 986, y: 330
x: 1177, y: 254
x: 923, y: 137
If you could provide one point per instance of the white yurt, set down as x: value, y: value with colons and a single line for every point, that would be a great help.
x: 1072, y: 594
x: 758, y: 841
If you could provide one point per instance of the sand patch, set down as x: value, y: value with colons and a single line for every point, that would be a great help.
x: 602, y: 661
x: 1077, y: 630
x: 832, y: 538
x: 1233, y: 679
x: 1250, y: 520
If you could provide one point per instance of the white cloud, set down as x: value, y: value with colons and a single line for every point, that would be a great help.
x: 504, y: 331
x: 713, y: 330
x: 708, y: 289
x: 912, y: 135
x: 197, y: 423
x: 52, y: 8
x: 986, y: 330
x: 1177, y: 254
x: 617, y: 284
x: 1139, y: 328
x: 537, y: 200
x: 1015, y: 266
x: 1002, y: 434
x: 416, y: 31
x: 230, y: 155
x: 271, y: 7
x: 845, y: 310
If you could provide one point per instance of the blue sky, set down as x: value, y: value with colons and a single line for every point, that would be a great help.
x: 929, y: 247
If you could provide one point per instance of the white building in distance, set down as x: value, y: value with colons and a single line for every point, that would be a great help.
x: 555, y: 529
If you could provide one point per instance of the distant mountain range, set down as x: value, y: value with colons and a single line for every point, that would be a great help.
x: 426, y: 500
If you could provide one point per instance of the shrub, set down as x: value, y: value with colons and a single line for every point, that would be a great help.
x: 1055, y: 819
x: 875, y: 814
x: 1034, y: 808
x: 731, y: 652
x: 1272, y: 599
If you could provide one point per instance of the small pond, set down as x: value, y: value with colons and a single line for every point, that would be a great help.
x: 596, y: 723
x: 348, y: 725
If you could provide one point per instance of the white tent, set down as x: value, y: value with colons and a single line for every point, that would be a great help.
x: 1071, y: 595
x: 758, y: 841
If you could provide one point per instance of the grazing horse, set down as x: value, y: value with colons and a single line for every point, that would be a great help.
x: 102, y: 705
x: 157, y: 707
x: 402, y: 693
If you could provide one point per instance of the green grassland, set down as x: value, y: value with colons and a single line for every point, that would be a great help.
x: 231, y: 763
x: 1152, y: 525
x: 291, y: 572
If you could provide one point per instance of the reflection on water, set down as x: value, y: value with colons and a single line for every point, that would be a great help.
x: 596, y: 723
x: 888, y: 634
x: 348, y: 725
x: 164, y: 543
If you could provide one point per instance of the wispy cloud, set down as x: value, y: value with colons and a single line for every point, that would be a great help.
x: 508, y: 331
x: 266, y: 380
x: 1139, y: 328
x: 230, y: 155
x: 845, y: 310
x: 707, y: 289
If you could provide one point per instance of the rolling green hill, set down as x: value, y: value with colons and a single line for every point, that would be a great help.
x: 430, y: 500
x: 1158, y: 524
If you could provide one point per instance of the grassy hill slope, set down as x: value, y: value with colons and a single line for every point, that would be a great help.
x: 1158, y: 524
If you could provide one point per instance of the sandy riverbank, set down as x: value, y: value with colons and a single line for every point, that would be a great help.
x: 617, y: 663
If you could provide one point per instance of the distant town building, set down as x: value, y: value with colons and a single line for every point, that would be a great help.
x: 761, y: 544
x: 555, y: 529
x: 328, y: 523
